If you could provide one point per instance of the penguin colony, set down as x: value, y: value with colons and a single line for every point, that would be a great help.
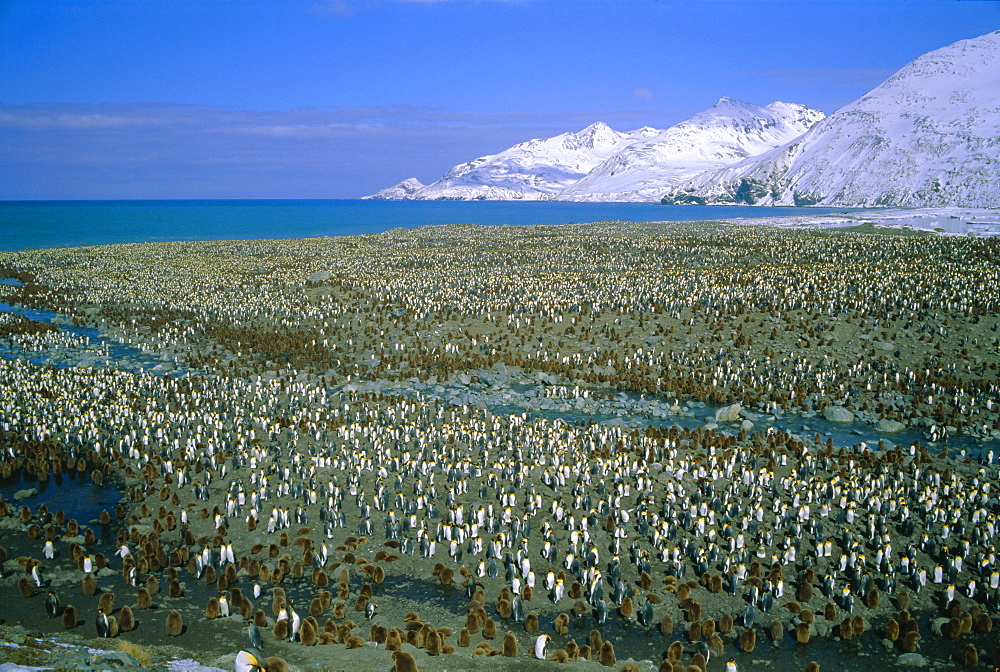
x: 267, y: 467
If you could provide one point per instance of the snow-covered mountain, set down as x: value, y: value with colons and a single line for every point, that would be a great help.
x: 534, y: 170
x: 601, y: 164
x: 403, y: 191
x: 726, y: 133
x: 927, y: 136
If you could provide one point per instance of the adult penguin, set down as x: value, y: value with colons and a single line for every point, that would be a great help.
x: 250, y: 659
x: 103, y: 627
x: 540, y: 644
x: 52, y: 604
x: 253, y: 632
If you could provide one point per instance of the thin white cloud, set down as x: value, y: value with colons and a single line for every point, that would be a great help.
x: 643, y: 93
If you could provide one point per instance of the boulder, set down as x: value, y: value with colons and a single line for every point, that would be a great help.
x: 911, y: 660
x: 887, y: 426
x: 838, y: 414
x: 728, y: 413
x: 319, y: 277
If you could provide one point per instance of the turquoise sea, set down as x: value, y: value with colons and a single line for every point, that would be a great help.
x: 27, y: 225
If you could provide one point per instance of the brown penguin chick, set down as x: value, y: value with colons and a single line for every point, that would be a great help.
x: 89, y: 585
x: 210, y: 576
x: 872, y: 599
x: 280, y: 630
x: 748, y: 640
x: 777, y: 630
x: 394, y: 640
x: 694, y: 632
x: 716, y: 645
x: 278, y: 600
x: 530, y: 623
x: 725, y: 624
x: 715, y: 583
x: 174, y: 589
x: 846, y: 628
x: 813, y: 666
x: 580, y: 608
x: 892, y: 630
x: 25, y: 587
x: 152, y: 585
x: 793, y: 607
x: 970, y: 656
x: 607, y: 654
x: 693, y: 610
x: 805, y: 592
x: 464, y: 638
x: 682, y: 592
x: 911, y: 641
x: 433, y: 643
x: 339, y: 610
x: 489, y: 629
x: 212, y: 609
x: 830, y: 612
x: 560, y: 656
x: 260, y: 618
x: 343, y: 592
x: 902, y: 600
x: 504, y: 609
x: 113, y: 629
x: 595, y: 640
x: 632, y: 667
x: 806, y: 616
x: 983, y: 624
x: 561, y: 625
x: 575, y: 590
x: 572, y: 649
x: 126, y: 619
x: 802, y: 633
x: 858, y: 625
x: 175, y: 624
x: 307, y: 633
x: 965, y: 621
x: 666, y: 625
x: 585, y: 652
x: 143, y: 600
x: 69, y: 619
x: 473, y: 623
x: 510, y: 646
x: 276, y: 664
x: 627, y: 610
x: 316, y: 607
x: 354, y: 642
x: 360, y: 603
x: 675, y: 651
x: 527, y: 593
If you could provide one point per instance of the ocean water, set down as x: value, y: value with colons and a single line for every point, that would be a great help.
x: 27, y: 225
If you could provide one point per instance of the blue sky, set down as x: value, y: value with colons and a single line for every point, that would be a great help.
x: 338, y: 98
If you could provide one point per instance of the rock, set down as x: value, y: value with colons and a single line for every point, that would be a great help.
x: 911, y: 660
x: 728, y: 413
x: 882, y: 345
x: 838, y: 414
x: 27, y: 493
x: 319, y: 276
x: 747, y: 425
x: 121, y: 658
x: 887, y: 426
x: 710, y: 426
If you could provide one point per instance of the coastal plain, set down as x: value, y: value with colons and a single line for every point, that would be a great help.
x: 471, y: 425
